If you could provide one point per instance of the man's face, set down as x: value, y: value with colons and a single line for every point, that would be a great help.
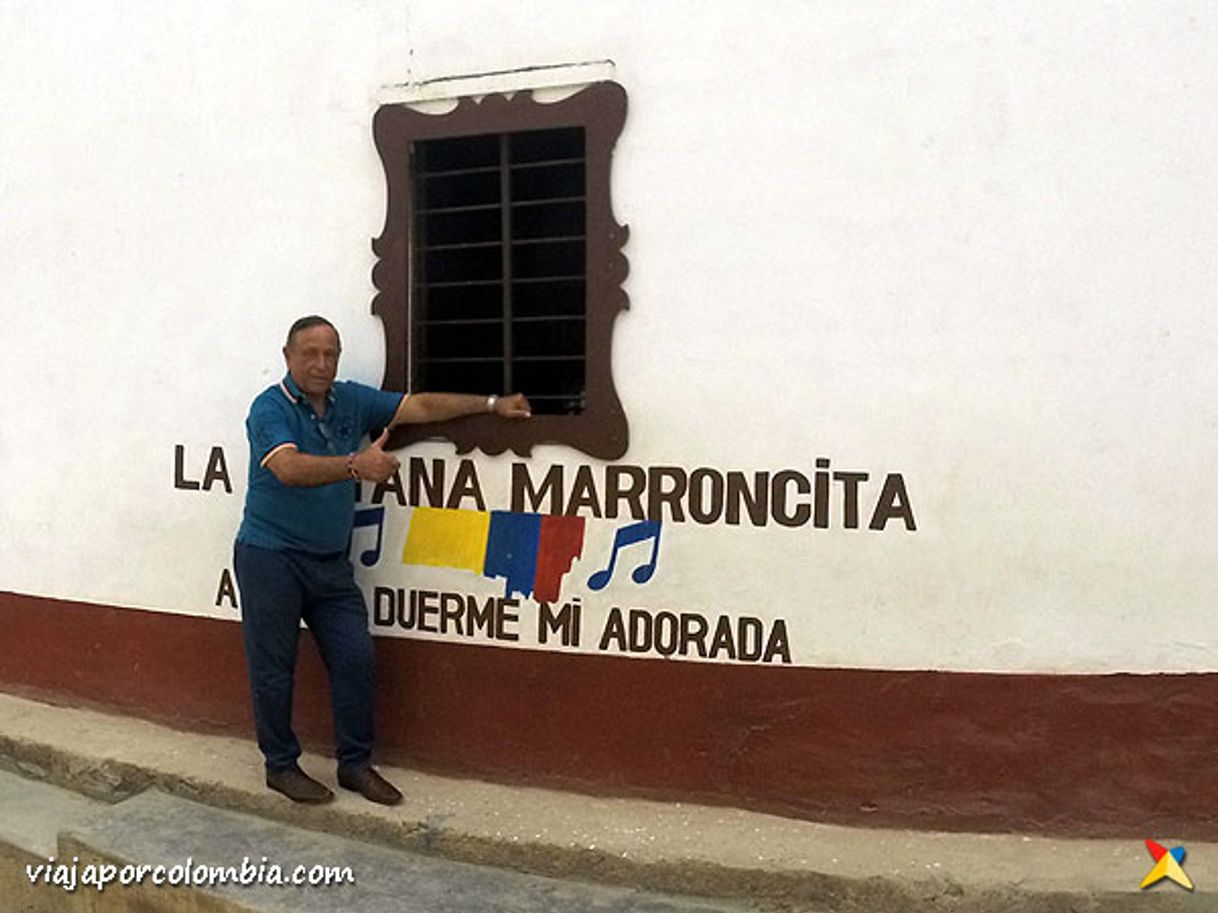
x: 312, y: 358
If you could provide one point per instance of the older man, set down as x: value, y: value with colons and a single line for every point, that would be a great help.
x: 291, y: 551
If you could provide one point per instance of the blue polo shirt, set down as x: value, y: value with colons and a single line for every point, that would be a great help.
x: 316, y: 519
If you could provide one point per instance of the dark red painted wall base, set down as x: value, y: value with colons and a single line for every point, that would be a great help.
x: 1118, y: 755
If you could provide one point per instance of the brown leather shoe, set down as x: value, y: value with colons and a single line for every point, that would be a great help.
x: 369, y: 784
x: 298, y: 786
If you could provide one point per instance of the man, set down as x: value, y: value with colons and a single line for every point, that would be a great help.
x: 291, y: 551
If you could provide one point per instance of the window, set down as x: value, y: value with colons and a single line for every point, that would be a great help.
x: 499, y: 284
x: 500, y: 266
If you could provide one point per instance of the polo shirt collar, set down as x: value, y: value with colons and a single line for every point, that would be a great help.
x: 296, y: 395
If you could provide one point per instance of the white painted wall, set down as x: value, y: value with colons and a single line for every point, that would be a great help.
x: 971, y: 244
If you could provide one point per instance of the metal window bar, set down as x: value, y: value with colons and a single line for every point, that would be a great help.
x: 549, y: 162
x: 505, y: 235
x: 530, y: 280
x: 548, y: 239
x: 534, y: 279
x: 462, y: 245
x: 457, y: 283
x: 487, y: 169
x: 538, y: 318
x: 474, y: 207
x: 461, y: 321
x: 463, y: 359
x: 458, y: 172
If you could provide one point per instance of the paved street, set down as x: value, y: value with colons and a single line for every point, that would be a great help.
x: 157, y: 829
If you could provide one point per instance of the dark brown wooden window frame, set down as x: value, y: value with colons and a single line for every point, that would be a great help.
x: 600, y: 430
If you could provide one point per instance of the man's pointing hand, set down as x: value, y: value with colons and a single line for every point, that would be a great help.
x: 513, y: 405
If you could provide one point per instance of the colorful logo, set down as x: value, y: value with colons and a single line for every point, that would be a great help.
x: 1167, y: 865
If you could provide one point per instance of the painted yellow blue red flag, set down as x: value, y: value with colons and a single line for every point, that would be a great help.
x: 531, y: 552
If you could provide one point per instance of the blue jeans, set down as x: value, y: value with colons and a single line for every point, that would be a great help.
x: 279, y: 589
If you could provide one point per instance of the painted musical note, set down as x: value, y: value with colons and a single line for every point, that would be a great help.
x: 371, y: 516
x: 629, y: 535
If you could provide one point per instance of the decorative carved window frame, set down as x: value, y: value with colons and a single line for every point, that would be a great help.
x: 601, y: 429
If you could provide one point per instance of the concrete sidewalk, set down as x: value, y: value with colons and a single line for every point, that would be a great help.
x: 673, y: 848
